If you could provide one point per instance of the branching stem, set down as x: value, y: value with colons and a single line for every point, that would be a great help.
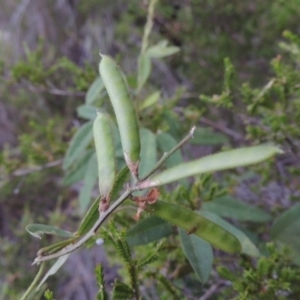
x: 104, y: 215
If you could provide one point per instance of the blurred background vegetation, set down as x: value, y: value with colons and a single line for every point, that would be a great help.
x: 49, y: 55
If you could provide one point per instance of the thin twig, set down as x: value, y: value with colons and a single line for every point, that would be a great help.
x: 222, y: 128
x: 104, y: 215
x: 166, y: 155
x: 210, y: 292
x: 148, y: 26
x: 55, y: 91
x: 23, y: 172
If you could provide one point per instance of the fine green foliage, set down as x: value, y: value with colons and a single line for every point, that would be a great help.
x: 155, y: 106
x: 123, y: 290
x: 199, y: 253
x: 272, y: 277
x: 102, y: 293
x: 48, y: 295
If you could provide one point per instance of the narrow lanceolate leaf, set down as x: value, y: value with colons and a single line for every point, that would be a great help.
x: 199, y: 254
x: 161, y: 50
x: 148, y: 230
x: 247, y: 246
x: 79, y: 142
x: 286, y: 229
x: 105, y: 154
x: 57, y: 265
x: 38, y: 229
x: 78, y: 170
x: 86, y: 111
x: 215, y: 162
x: 94, y: 91
x: 144, y: 70
x: 196, y: 224
x: 89, y: 182
x: 285, y: 221
x: 150, y: 100
x: 124, y: 110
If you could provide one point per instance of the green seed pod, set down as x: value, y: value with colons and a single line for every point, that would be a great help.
x: 212, y: 163
x: 105, y: 155
x: 124, y: 110
x: 196, y: 224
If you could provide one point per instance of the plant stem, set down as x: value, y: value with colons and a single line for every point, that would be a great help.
x: 104, y: 215
x: 34, y: 282
x: 148, y: 26
x: 91, y: 233
x: 166, y: 155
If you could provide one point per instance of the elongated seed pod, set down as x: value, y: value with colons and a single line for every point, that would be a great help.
x: 195, y: 224
x: 105, y: 154
x: 124, y: 111
x: 212, y: 163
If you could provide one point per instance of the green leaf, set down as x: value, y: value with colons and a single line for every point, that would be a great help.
x: 230, y: 207
x: 150, y: 100
x: 205, y: 136
x: 94, y: 91
x: 288, y: 219
x: 144, y: 70
x: 196, y: 224
x: 88, y: 112
x: 57, y: 265
x: 89, y: 219
x: 148, y: 230
x: 77, y: 172
x: 79, y: 142
x: 286, y: 229
x: 38, y: 229
x: 89, y: 182
x: 212, y: 163
x: 148, y: 151
x: 199, y: 254
x: 247, y: 246
x: 161, y: 50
